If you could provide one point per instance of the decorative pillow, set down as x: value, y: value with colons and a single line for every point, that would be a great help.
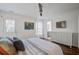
x: 7, y: 48
x: 18, y: 44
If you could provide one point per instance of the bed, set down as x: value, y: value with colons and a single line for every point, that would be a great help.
x: 37, y: 46
x: 33, y: 46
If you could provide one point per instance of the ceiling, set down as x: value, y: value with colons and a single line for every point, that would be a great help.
x: 31, y: 9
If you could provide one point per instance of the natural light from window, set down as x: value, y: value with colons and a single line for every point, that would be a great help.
x: 10, y: 25
x: 49, y: 26
x: 39, y: 28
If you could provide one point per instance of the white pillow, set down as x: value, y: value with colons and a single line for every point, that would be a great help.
x: 6, y: 39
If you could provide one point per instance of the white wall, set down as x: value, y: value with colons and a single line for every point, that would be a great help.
x: 19, y: 27
x: 72, y: 26
x: 78, y: 31
x: 72, y: 23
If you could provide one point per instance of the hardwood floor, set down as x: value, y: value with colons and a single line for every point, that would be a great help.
x: 69, y: 51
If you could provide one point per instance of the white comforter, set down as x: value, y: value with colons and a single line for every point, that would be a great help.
x: 46, y: 46
x: 37, y: 46
x: 31, y: 50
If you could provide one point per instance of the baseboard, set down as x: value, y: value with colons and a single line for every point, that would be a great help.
x: 64, y: 44
x: 75, y: 47
x: 60, y: 44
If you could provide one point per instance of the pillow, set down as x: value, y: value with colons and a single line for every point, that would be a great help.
x: 15, y: 39
x: 10, y: 39
x: 7, y: 48
x: 18, y: 44
x: 6, y: 39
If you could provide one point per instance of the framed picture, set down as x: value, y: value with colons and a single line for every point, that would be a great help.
x: 29, y: 25
x: 61, y: 24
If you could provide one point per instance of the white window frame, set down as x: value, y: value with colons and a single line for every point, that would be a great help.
x: 7, y: 29
x: 49, y: 26
x: 39, y: 30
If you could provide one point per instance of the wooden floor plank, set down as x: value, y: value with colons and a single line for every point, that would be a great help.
x: 69, y: 51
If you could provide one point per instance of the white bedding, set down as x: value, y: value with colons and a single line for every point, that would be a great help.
x: 30, y: 49
x: 46, y: 46
x: 37, y: 46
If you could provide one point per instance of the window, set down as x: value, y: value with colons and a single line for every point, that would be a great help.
x: 49, y: 26
x: 39, y: 28
x: 10, y: 25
